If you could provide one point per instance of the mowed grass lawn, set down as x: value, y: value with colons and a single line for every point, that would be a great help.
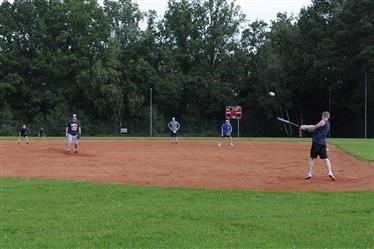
x: 64, y: 214
x: 360, y: 148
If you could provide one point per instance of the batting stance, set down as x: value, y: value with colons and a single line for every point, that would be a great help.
x: 174, y: 127
x: 73, y: 131
x: 226, y: 130
x: 319, y: 144
x: 23, y: 133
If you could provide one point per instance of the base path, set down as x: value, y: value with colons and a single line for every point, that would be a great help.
x: 265, y: 165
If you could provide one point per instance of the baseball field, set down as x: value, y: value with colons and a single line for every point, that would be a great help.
x: 156, y: 194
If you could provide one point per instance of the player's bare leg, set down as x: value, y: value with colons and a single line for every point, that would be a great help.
x: 221, y: 140
x: 68, y: 145
x: 27, y: 139
x: 231, y: 144
x: 328, y: 166
x: 308, y: 174
x: 76, y: 148
x: 19, y: 140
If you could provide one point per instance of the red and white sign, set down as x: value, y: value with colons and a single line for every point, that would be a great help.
x: 234, y: 112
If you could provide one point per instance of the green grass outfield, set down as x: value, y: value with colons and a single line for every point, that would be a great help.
x: 64, y: 214
x: 362, y: 149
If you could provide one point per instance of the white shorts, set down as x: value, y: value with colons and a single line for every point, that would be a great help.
x: 72, y: 139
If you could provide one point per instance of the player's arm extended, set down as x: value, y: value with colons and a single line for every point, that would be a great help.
x: 66, y: 131
x: 312, y: 128
x: 80, y: 130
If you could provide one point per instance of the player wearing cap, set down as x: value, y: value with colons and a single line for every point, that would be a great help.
x: 73, y: 131
x: 226, y: 130
x: 23, y: 133
x: 174, y: 127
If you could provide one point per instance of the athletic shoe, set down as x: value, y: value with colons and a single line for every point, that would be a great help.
x: 76, y: 151
x: 67, y: 151
x: 231, y: 144
x: 332, y: 177
x: 307, y: 176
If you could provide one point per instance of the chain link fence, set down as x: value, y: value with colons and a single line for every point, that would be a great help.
x: 249, y: 127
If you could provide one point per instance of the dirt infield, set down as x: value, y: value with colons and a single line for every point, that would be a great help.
x: 193, y: 163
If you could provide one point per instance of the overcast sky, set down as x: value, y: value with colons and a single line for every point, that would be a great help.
x: 253, y: 9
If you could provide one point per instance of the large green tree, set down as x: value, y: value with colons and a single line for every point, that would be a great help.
x: 64, y: 56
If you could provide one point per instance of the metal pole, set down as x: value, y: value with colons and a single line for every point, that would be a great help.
x: 329, y: 101
x: 150, y: 112
x: 238, y: 127
x: 366, y: 102
x: 330, y: 109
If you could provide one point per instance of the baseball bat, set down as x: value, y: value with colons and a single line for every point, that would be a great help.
x: 291, y: 123
x: 287, y: 121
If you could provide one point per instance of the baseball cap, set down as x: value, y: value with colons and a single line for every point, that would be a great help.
x: 74, y: 115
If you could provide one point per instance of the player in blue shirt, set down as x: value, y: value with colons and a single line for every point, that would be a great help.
x: 73, y: 131
x: 226, y: 130
x: 319, y: 144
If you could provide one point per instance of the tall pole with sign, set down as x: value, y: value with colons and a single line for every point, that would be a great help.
x: 234, y: 112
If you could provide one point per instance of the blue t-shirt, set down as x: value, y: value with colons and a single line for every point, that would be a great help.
x: 319, y: 136
x: 73, y: 127
x: 226, y: 128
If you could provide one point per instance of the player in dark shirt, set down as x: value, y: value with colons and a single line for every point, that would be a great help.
x: 319, y: 144
x: 23, y: 133
x: 73, y: 131
x: 41, y: 132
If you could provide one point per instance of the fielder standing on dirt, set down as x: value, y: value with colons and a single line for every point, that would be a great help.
x: 23, y: 133
x: 226, y: 130
x: 73, y: 131
x: 319, y: 144
x: 174, y: 127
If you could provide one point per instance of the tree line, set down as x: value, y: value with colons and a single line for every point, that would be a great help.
x: 59, y: 57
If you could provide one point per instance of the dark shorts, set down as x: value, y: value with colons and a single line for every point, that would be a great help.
x: 226, y: 135
x: 318, y: 150
x: 174, y: 134
x: 23, y: 135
